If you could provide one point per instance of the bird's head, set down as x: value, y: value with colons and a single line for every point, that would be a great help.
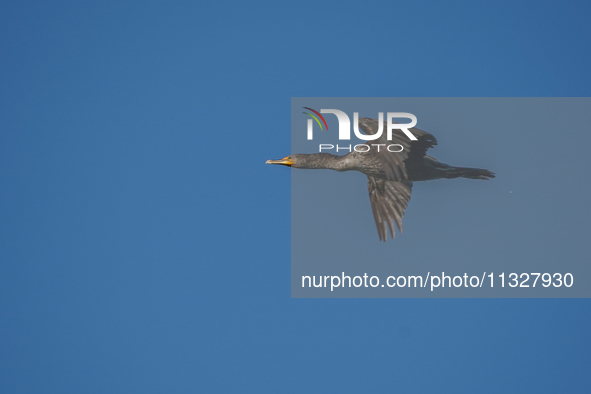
x: 310, y: 161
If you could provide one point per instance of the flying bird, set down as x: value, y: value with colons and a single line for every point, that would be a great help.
x: 390, y: 175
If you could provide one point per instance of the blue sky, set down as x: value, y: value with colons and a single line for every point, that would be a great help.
x: 145, y: 247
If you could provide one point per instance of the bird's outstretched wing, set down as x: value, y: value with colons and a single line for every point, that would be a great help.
x: 393, y: 163
x: 388, y: 203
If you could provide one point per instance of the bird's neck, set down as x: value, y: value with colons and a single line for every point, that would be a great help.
x: 324, y: 161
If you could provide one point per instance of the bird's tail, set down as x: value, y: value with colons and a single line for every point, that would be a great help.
x: 465, y: 172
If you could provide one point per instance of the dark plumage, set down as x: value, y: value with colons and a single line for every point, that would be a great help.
x: 389, y: 175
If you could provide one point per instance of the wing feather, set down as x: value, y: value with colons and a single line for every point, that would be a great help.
x: 393, y: 163
x: 388, y: 202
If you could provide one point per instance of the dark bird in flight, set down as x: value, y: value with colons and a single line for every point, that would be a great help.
x: 389, y: 174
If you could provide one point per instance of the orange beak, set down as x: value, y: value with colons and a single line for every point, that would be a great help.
x: 286, y: 161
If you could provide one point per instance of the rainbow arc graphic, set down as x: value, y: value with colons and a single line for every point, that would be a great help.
x: 315, y: 118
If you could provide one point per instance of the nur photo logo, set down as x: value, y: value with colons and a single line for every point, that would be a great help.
x: 345, y: 129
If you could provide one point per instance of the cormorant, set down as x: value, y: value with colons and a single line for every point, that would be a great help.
x: 389, y: 175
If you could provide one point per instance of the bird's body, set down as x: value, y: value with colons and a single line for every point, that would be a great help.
x: 425, y: 169
x: 390, y: 174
